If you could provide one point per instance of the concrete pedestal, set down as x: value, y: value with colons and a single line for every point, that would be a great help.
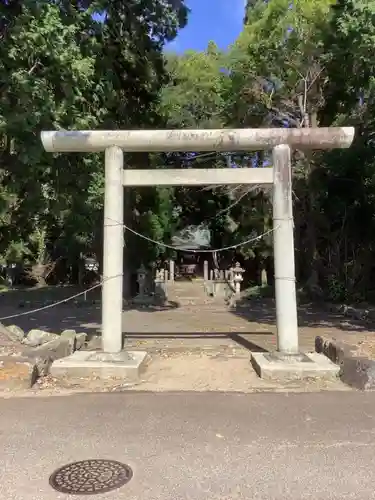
x: 273, y: 366
x: 126, y: 365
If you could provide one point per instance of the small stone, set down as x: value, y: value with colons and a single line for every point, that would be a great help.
x: 355, y: 313
x: 41, y: 360
x: 94, y: 343
x: 68, y: 333
x: 37, y: 337
x: 7, y: 338
x: 69, y: 336
x: 16, y: 332
x: 17, y: 373
x: 80, y: 340
x: 44, y: 355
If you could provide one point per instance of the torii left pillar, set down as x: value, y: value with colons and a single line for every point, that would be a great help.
x: 113, y: 247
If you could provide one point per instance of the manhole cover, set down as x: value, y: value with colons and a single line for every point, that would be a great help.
x: 90, y: 477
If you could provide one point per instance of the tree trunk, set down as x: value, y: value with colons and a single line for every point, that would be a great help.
x: 312, y: 260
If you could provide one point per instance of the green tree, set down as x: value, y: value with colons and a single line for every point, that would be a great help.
x: 47, y: 78
x: 60, y: 68
x: 132, y: 67
x: 347, y: 193
x: 193, y: 98
x: 277, y: 76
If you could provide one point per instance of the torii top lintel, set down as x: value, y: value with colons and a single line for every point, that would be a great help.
x: 232, y: 140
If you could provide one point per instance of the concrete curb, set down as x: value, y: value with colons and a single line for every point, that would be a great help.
x: 355, y: 370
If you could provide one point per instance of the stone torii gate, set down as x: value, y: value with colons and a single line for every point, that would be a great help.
x: 116, y: 143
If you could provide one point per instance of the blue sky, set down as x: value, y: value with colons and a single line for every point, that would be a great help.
x: 217, y: 20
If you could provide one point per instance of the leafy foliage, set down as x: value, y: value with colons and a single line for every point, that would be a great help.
x: 286, y: 69
x: 61, y: 68
x: 78, y: 64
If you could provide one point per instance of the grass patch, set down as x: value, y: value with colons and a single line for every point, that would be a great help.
x: 259, y: 292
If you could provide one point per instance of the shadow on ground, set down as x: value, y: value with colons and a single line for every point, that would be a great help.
x: 55, y: 308
x: 195, y: 338
x: 309, y: 315
x: 150, y: 326
x: 250, y: 325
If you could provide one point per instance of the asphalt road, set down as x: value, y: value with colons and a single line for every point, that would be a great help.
x: 196, y: 446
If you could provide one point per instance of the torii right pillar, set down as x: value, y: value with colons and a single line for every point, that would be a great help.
x: 287, y: 362
x: 283, y: 234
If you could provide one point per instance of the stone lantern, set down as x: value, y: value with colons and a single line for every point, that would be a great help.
x: 10, y: 273
x: 160, y: 284
x: 91, y: 264
x: 141, y: 280
x: 237, y: 277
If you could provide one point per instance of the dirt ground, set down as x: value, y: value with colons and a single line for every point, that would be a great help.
x: 217, y: 371
x: 194, y: 348
x: 187, y: 372
x: 252, y: 325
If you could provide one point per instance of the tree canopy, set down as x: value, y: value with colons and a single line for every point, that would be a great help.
x: 72, y: 64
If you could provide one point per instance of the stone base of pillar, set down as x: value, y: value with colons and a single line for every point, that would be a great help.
x: 288, y: 358
x: 125, y: 365
x: 278, y: 366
